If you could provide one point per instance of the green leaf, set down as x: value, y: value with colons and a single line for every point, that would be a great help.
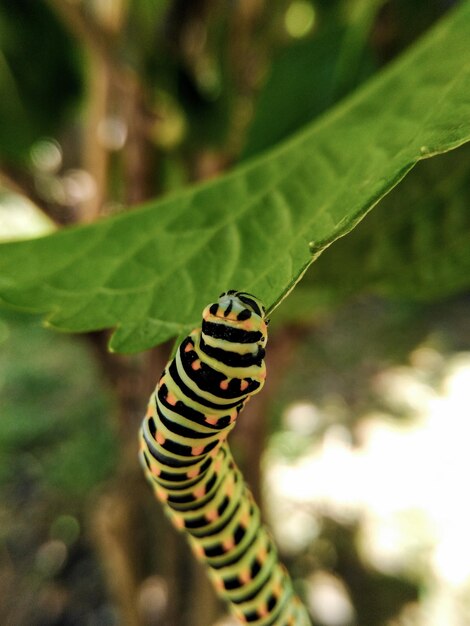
x: 48, y: 412
x: 415, y: 245
x: 149, y: 272
x: 36, y: 55
x: 312, y: 74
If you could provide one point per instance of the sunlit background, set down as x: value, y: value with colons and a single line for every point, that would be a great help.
x: 401, y: 485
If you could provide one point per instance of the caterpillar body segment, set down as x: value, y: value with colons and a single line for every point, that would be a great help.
x: 187, y: 460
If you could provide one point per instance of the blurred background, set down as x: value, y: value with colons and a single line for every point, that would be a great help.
x: 357, y: 448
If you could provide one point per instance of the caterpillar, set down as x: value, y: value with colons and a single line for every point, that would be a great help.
x: 186, y: 459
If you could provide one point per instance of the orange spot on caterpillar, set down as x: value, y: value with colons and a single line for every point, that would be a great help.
x: 262, y: 554
x: 277, y: 589
x: 233, y: 417
x: 188, y: 347
x: 263, y: 610
x: 245, y: 519
x: 156, y: 471
x: 211, y: 419
x: 162, y: 495
x: 245, y: 576
x: 196, y: 365
x: 248, y: 325
x: 213, y: 453
x: 178, y: 521
x: 160, y: 438
x: 229, y: 489
x: 224, y: 384
x: 219, y: 583
x: 211, y: 515
x: 198, y: 550
x: 171, y: 398
x: 228, y: 544
x: 193, y: 472
x: 243, y: 385
x: 149, y: 411
x: 197, y: 450
x: 200, y: 492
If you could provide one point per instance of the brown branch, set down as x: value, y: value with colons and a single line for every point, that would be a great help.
x: 95, y: 155
x: 99, y: 42
x: 89, y: 33
x: 118, y: 528
x: 138, y: 155
x: 103, y: 69
x: 112, y: 81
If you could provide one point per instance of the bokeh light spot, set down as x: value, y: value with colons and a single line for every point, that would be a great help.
x: 299, y: 19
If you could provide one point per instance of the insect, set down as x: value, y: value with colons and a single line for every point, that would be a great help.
x: 188, y: 462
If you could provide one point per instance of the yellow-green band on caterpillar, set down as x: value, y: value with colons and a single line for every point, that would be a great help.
x: 190, y: 467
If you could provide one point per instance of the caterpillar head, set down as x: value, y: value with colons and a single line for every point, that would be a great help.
x: 239, y: 310
x: 242, y: 303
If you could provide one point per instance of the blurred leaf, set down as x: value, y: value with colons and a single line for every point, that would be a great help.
x: 355, y: 59
x: 415, y: 245
x: 4, y: 331
x: 150, y: 272
x: 39, y: 76
x: 311, y: 75
x: 201, y: 81
x: 48, y: 414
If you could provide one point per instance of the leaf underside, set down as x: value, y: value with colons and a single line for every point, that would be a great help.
x: 149, y: 272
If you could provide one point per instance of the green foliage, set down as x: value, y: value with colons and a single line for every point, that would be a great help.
x: 149, y: 272
x: 52, y: 430
x: 311, y: 75
x: 415, y: 245
x: 39, y: 75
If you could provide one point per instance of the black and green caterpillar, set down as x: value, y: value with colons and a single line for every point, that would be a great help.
x: 189, y: 464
